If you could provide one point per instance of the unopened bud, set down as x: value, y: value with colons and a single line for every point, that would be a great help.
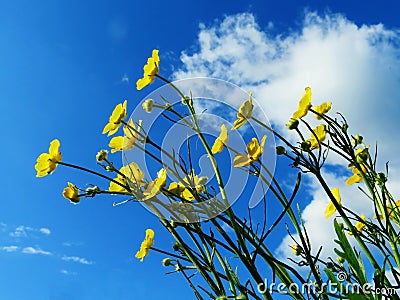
x: 297, y: 250
x: 91, y: 191
x: 306, y: 145
x: 357, y: 140
x: 166, y: 262
x: 241, y: 297
x: 186, y: 100
x: 101, y: 155
x: 148, y: 105
x: 203, y: 180
x: 340, y: 260
x: 380, y: 179
x: 292, y: 124
x: 280, y: 150
x: 362, y: 155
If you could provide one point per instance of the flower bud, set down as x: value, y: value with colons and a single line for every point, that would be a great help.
x: 92, y: 191
x: 297, y: 250
x: 357, y: 140
x: 280, y: 150
x: 306, y: 145
x: 203, y: 180
x: 176, y: 246
x: 187, y: 100
x: 102, y: 155
x: 166, y: 262
x: 380, y: 179
x: 345, y: 127
x: 340, y: 260
x: 292, y: 124
x: 241, y: 297
x: 362, y: 155
x: 148, y: 105
x: 110, y: 168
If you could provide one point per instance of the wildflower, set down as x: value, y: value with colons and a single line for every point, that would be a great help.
x: 102, y: 155
x: 147, y: 105
x: 359, y: 225
x: 362, y: 155
x: 116, y: 118
x: 304, y: 105
x: 297, y: 250
x: 46, y: 163
x: 357, y: 175
x: 322, y: 109
x: 317, y: 137
x: 71, y: 193
x: 149, y: 70
x: 147, y: 243
x: 357, y: 140
x: 119, y: 143
x: 254, y: 151
x: 331, y: 208
x: 245, y: 112
x: 221, y: 140
x: 155, y: 187
x: 131, y: 174
x: 193, y: 181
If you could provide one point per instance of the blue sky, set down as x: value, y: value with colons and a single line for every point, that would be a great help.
x: 62, y: 69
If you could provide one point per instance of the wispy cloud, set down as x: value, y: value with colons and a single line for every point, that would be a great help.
x: 32, y: 250
x: 355, y: 67
x: 10, y: 248
x: 66, y: 272
x: 77, y: 259
x: 22, y: 231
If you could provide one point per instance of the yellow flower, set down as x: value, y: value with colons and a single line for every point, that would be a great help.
x: 116, y: 118
x: 155, y: 187
x: 46, y: 163
x: 359, y: 225
x: 320, y: 132
x: 221, y: 140
x: 304, y: 105
x: 357, y: 175
x: 133, y: 173
x: 119, y: 143
x: 322, y: 109
x: 254, y: 151
x: 147, y: 243
x: 330, y: 209
x: 245, y: 112
x: 149, y: 70
x: 71, y: 193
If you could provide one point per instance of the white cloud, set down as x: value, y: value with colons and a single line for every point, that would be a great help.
x: 66, y: 272
x: 10, y: 248
x: 77, y: 259
x: 355, y: 67
x: 32, y: 250
x: 45, y: 231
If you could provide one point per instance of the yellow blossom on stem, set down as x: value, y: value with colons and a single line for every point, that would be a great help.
x: 322, y: 109
x: 359, y: 225
x: 149, y: 70
x: 116, y: 118
x: 71, y: 193
x: 46, y: 163
x: 320, y: 133
x: 330, y: 209
x: 254, y: 151
x: 119, y: 143
x: 131, y: 173
x: 155, y: 187
x: 357, y: 175
x: 245, y: 112
x: 296, y: 249
x: 147, y: 243
x: 304, y: 105
x: 220, y: 141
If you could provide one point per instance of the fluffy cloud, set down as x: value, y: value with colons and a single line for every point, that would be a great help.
x: 355, y: 67
x: 32, y: 250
